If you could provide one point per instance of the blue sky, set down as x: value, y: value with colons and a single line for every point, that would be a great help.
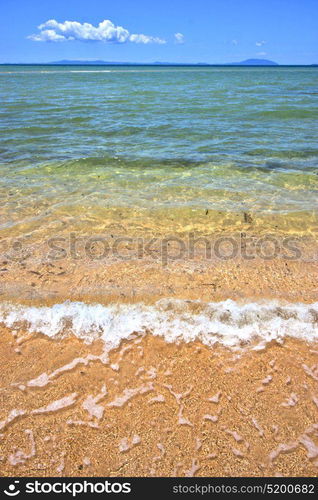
x: 213, y: 31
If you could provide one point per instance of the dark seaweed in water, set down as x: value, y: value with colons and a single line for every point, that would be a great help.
x: 248, y: 219
x: 274, y: 165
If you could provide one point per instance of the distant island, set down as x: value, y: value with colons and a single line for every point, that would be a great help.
x: 100, y: 62
x: 247, y: 62
x: 254, y: 62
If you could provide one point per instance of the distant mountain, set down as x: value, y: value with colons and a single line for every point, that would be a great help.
x: 247, y: 62
x: 100, y: 62
x: 254, y: 62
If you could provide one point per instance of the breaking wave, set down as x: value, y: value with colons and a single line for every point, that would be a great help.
x: 228, y: 322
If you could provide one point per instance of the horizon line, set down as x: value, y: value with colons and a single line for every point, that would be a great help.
x: 74, y: 62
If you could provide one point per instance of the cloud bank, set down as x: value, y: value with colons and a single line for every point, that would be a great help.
x: 106, y: 31
x: 259, y: 44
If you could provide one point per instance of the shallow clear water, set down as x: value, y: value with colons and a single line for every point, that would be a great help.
x: 77, y: 143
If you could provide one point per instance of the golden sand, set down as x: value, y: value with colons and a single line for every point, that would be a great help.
x: 154, y: 408
x: 158, y: 409
x: 35, y: 274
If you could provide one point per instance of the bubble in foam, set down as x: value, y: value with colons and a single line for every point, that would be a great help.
x: 198, y: 444
x: 267, y: 380
x: 215, y: 398
x: 41, y: 381
x: 178, y: 396
x: 258, y: 427
x: 13, y: 415
x: 161, y: 448
x: 195, y: 467
x: 57, y: 405
x: 182, y: 420
x: 311, y: 447
x: 157, y: 399
x: 212, y: 418
x: 61, y: 465
x: 71, y: 422
x: 45, y: 378
x: 20, y: 456
x: 282, y: 448
x: 238, y: 438
x: 238, y: 453
x: 291, y: 401
x: 126, y: 444
x: 90, y: 404
x: 311, y: 371
x: 129, y: 394
x: 162, y: 452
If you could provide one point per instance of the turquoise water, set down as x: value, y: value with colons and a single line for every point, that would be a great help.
x: 78, y: 142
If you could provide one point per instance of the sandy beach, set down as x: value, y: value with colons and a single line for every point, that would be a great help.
x: 150, y: 407
x: 157, y: 409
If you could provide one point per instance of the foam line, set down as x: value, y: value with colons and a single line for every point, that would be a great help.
x: 228, y: 322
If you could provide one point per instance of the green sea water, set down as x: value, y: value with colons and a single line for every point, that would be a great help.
x: 85, y: 147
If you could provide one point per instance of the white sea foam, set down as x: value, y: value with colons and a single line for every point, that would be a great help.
x: 228, y: 322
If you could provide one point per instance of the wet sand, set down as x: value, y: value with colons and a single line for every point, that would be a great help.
x: 154, y: 408
x: 36, y: 275
x: 158, y: 409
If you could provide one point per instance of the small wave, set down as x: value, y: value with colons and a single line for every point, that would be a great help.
x: 228, y: 322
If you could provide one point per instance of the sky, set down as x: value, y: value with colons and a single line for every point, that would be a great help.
x: 181, y: 31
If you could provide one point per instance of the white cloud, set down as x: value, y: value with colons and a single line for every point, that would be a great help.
x: 234, y: 42
x: 262, y: 53
x: 47, y: 36
x: 106, y: 31
x: 259, y: 44
x: 146, y: 39
x: 179, y: 38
